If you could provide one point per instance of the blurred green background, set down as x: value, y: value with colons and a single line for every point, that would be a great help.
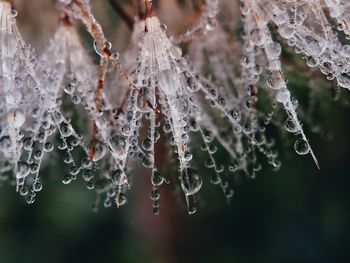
x: 298, y: 214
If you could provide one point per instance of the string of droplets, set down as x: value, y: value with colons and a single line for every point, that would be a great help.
x: 162, y: 91
x: 258, y: 37
x: 309, y: 29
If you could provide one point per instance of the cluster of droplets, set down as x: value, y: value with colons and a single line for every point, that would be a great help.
x: 160, y: 93
x: 309, y: 30
x: 239, y: 93
x: 65, y: 69
x: 19, y: 90
x: 33, y: 93
x: 261, y: 48
x: 170, y: 93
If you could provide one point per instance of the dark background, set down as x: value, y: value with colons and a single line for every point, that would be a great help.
x: 298, y: 214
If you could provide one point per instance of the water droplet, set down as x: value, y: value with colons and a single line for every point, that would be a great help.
x: 66, y: 129
x: 313, y: 46
x: 283, y: 95
x: 155, y: 210
x: 90, y: 185
x: 100, y: 50
x: 233, y: 167
x: 119, y: 177
x: 209, y: 163
x: 14, y: 12
x: 344, y: 80
x: 228, y: 193
x: 57, y: 117
x: 175, y: 52
x: 87, y: 175
x: 117, y: 144
x: 67, y: 179
x: 99, y: 150
x: 290, y: 125
x: 38, y: 154
x: 37, y: 187
x: 34, y: 168
x: 275, y: 80
x: 272, y: 50
x: 23, y: 191
x: 27, y: 144
x: 257, y: 37
x: 235, y: 115
x: 215, y: 179
x: 191, y: 182
x: 120, y: 199
x: 69, y: 88
x: 155, y: 195
x: 147, y: 144
x: 107, y: 203
x: 115, y: 55
x: 16, y: 119
x: 74, y: 170
x: 302, y: 147
x: 67, y: 158
x: 157, y: 179
x: 48, y: 147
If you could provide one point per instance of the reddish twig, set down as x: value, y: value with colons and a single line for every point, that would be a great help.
x: 149, y: 10
x: 102, y: 70
x: 64, y: 17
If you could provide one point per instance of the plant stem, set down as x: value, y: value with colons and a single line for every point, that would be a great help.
x: 148, y: 5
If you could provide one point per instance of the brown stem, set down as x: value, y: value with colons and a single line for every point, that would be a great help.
x: 102, y: 70
x: 101, y: 78
x: 92, y: 26
x: 148, y: 5
x: 122, y: 13
x: 65, y: 20
x: 93, y: 142
x: 64, y: 17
